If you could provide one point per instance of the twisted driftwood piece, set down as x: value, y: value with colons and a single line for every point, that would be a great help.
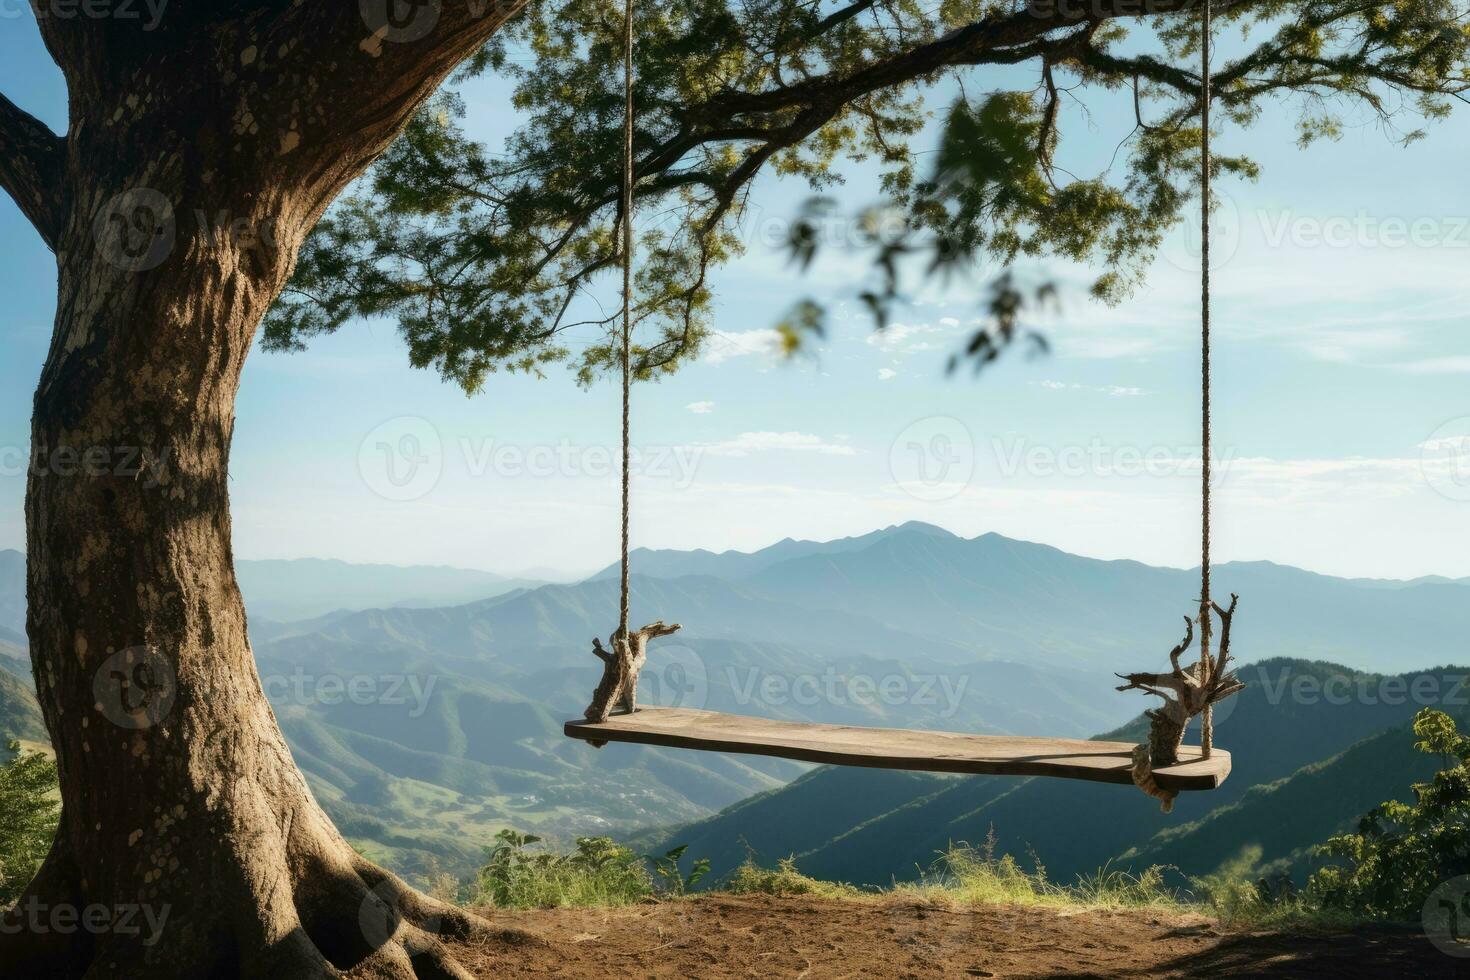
x: 618, y: 690
x: 1186, y: 693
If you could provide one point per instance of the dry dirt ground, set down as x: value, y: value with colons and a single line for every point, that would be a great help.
x: 821, y: 939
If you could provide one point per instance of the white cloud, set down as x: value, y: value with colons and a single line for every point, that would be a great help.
x: 726, y: 345
x: 1112, y: 391
x: 886, y: 374
x: 1459, y: 364
x: 905, y: 338
x: 1093, y: 346
x: 750, y: 443
x: 1274, y: 482
x: 701, y: 408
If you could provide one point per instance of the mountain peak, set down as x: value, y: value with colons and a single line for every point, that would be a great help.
x: 920, y: 527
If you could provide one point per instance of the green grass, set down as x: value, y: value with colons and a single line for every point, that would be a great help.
x: 603, y: 874
x: 783, y: 881
x: 976, y: 876
x: 598, y: 874
x: 1238, y: 895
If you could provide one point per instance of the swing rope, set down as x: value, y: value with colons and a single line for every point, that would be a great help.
x: 627, y: 300
x: 618, y: 690
x: 1207, y: 726
x: 1142, y: 764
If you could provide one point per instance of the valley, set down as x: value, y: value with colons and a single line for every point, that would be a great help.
x: 425, y: 723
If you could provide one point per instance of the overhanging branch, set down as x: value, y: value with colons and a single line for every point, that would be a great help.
x: 31, y: 163
x: 1026, y: 31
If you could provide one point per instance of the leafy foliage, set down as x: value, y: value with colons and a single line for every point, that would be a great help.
x: 29, y: 810
x: 672, y: 880
x: 1402, y: 851
x: 489, y: 262
x: 598, y: 873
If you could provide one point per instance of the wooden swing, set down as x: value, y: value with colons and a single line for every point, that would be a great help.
x: 1162, y: 766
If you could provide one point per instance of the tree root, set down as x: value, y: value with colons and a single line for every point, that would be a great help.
x: 336, y: 916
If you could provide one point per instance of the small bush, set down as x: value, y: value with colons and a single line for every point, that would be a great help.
x: 783, y: 881
x: 599, y: 873
x: 672, y: 881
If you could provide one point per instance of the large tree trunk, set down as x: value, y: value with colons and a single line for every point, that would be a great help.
x: 189, y: 843
x: 179, y: 794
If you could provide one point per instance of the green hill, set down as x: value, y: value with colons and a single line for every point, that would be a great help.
x: 1286, y: 818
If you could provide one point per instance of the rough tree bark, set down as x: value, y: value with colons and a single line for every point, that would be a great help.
x: 198, y: 155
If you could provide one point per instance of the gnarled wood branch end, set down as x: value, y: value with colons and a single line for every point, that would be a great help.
x: 1186, y: 692
x: 618, y: 689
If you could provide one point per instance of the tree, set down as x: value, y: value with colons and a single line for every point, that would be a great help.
x: 481, y: 256
x: 201, y: 148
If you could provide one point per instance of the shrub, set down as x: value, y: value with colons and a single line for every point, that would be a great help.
x: 1402, y: 851
x: 783, y: 881
x: 598, y: 873
x: 671, y: 880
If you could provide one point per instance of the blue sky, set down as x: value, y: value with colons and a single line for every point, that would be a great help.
x: 1343, y: 394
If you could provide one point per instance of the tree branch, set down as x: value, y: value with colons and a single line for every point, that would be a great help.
x: 982, y: 42
x: 31, y: 162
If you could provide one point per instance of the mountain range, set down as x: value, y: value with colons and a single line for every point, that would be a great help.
x: 426, y: 722
x: 288, y: 590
